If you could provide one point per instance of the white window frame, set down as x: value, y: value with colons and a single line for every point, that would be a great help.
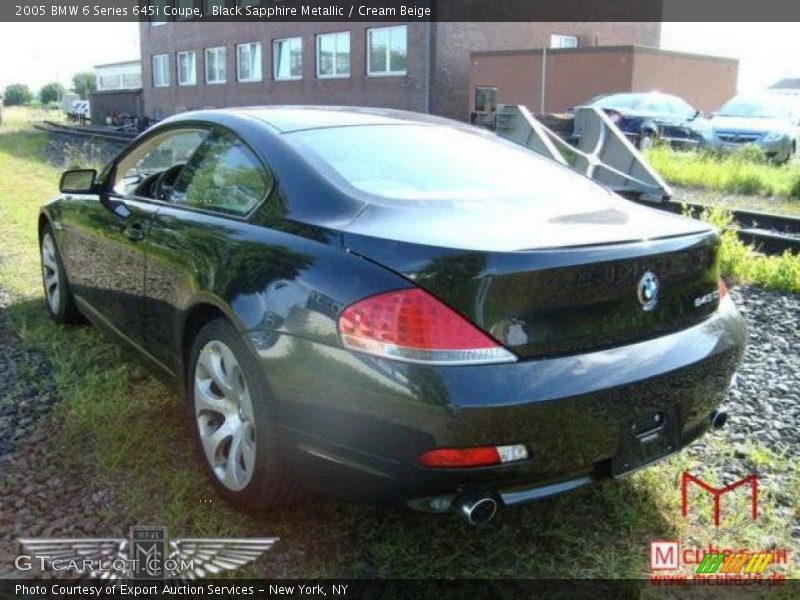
x: 216, y: 51
x: 159, y: 58
x: 335, y: 74
x: 275, y: 55
x: 388, y: 72
x: 193, y: 79
x: 258, y: 63
x: 558, y: 40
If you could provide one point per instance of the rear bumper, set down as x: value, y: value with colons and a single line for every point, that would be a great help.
x: 356, y: 423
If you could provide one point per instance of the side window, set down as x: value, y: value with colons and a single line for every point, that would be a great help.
x: 224, y: 176
x: 136, y: 173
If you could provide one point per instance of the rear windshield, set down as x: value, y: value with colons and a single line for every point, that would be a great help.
x: 428, y: 162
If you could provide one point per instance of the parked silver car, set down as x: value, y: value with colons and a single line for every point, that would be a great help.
x: 768, y: 120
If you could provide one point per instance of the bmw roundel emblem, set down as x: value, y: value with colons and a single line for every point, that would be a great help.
x: 647, y: 290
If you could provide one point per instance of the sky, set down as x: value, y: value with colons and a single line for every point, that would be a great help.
x: 766, y: 51
x: 37, y: 53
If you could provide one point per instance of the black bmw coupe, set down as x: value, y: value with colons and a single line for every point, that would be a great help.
x: 395, y: 305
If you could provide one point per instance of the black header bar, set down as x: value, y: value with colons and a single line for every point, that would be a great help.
x: 157, y: 11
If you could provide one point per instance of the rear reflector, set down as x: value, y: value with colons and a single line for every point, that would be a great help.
x: 485, y: 456
x: 413, y: 326
x: 723, y: 288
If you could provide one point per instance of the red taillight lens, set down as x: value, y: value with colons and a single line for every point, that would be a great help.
x: 443, y: 458
x: 484, y: 456
x: 723, y: 288
x: 414, y: 326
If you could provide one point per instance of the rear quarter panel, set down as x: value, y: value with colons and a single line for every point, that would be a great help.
x: 279, y: 276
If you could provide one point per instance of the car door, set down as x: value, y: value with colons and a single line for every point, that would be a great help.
x: 111, y: 234
x: 201, y: 244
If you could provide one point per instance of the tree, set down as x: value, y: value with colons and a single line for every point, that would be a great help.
x: 84, y: 83
x: 17, y: 94
x: 52, y: 92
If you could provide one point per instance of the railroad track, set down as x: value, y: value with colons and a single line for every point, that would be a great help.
x: 123, y: 137
x: 768, y: 233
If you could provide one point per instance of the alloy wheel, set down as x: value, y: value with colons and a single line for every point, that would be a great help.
x: 52, y: 282
x: 224, y: 414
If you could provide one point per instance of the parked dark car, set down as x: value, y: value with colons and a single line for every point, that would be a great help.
x: 395, y: 305
x: 647, y: 117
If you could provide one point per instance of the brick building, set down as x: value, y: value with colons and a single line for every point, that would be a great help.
x: 415, y: 66
x: 572, y: 76
x: 119, y: 91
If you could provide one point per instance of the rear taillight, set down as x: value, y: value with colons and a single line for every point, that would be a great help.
x: 413, y: 326
x: 723, y: 288
x: 461, y: 458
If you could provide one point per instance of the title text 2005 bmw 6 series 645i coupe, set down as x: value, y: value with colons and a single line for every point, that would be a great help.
x: 395, y: 305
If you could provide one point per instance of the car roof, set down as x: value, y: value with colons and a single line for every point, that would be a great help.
x: 651, y: 94
x: 296, y: 118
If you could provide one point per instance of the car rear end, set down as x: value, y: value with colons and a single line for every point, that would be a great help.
x: 600, y: 383
x: 532, y: 344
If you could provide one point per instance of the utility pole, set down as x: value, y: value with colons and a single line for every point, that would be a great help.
x: 544, y: 78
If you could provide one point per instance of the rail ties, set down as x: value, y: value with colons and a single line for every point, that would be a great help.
x: 768, y: 233
x: 122, y: 137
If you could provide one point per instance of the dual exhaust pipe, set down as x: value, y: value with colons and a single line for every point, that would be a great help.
x: 718, y: 419
x: 479, y: 509
x: 476, y: 509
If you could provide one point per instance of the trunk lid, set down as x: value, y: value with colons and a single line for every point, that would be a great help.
x: 550, y: 278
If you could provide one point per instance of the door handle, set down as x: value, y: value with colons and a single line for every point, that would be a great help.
x: 135, y: 231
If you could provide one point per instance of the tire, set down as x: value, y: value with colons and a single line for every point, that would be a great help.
x: 646, y: 140
x: 234, y: 422
x: 57, y: 294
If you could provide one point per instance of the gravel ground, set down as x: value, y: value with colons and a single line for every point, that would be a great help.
x: 42, y: 493
x: 70, y: 152
x: 26, y: 387
x: 765, y: 402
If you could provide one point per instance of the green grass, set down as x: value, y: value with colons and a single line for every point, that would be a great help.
x: 743, y: 264
x: 741, y: 172
x: 133, y: 434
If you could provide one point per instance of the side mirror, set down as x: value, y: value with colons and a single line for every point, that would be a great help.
x: 78, y: 181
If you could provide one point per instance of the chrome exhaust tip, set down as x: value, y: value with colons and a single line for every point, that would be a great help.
x: 718, y: 419
x: 477, y: 510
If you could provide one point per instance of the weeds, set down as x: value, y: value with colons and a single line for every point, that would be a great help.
x: 744, y: 171
x: 743, y: 264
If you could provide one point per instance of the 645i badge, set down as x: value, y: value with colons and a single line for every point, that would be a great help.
x: 146, y: 554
